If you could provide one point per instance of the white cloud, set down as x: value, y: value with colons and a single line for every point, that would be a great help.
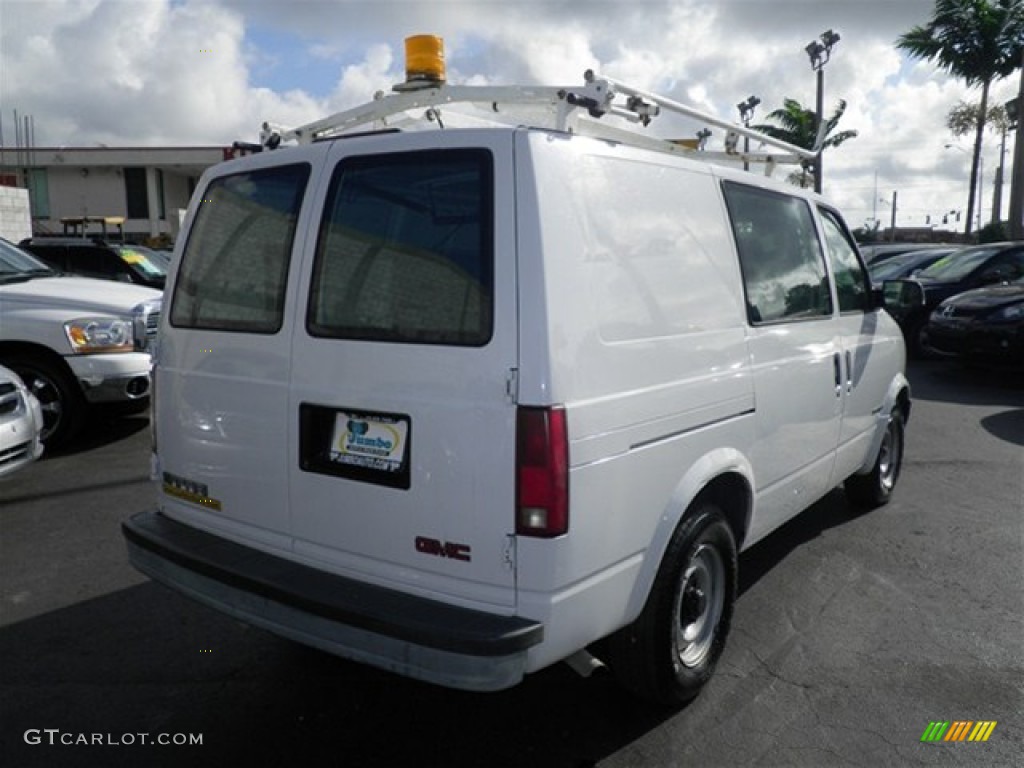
x: 125, y: 72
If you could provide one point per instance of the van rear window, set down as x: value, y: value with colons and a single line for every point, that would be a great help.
x: 405, y: 250
x: 235, y: 265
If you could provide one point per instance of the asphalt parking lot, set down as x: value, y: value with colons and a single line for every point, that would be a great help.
x: 852, y: 633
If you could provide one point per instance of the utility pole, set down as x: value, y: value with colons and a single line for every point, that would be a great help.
x: 997, y: 193
x: 892, y: 225
x: 1017, y: 178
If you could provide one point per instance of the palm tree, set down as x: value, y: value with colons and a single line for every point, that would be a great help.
x: 797, y: 125
x: 977, y: 41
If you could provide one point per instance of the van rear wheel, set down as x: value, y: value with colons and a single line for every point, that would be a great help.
x: 670, y: 651
x: 876, y: 487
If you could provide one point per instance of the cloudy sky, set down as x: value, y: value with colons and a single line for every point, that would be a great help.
x: 198, y: 72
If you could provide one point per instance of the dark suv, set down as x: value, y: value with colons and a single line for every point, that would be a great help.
x: 98, y: 258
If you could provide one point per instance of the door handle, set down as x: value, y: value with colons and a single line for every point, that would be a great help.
x: 837, y: 368
x: 849, y: 372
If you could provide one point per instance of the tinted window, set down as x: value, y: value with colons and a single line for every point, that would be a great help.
x: 405, y: 250
x: 53, y: 255
x: 851, y: 283
x: 1006, y: 268
x: 15, y: 260
x: 235, y: 264
x: 780, y: 257
x: 93, y: 261
x: 959, y: 264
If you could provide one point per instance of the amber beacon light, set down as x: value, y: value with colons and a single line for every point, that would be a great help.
x: 424, y: 60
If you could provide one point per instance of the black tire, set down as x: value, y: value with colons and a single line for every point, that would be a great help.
x: 917, y: 347
x: 64, y: 407
x: 876, y: 487
x: 670, y: 651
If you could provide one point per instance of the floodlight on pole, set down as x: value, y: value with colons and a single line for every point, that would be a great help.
x: 819, y: 52
x: 746, y: 109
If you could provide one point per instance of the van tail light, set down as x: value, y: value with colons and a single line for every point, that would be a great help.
x: 542, y: 472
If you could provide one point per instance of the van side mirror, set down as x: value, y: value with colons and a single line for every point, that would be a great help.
x: 902, y: 296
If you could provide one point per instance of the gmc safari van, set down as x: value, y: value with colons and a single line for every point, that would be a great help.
x: 461, y: 403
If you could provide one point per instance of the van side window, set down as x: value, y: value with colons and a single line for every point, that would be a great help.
x: 780, y: 257
x: 849, y: 274
x: 405, y: 250
x: 235, y: 265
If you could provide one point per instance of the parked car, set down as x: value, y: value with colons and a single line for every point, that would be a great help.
x: 906, y: 264
x: 984, y: 325
x: 21, y: 424
x: 76, y: 342
x: 960, y: 271
x: 91, y: 257
x: 462, y: 404
x: 878, y: 252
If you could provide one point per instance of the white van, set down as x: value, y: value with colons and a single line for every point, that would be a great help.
x: 460, y: 403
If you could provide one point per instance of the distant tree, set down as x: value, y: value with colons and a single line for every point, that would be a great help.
x: 964, y: 117
x: 994, y: 232
x: 797, y: 125
x: 977, y: 41
x: 869, y: 233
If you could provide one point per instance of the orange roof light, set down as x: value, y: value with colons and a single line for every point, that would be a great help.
x: 424, y: 59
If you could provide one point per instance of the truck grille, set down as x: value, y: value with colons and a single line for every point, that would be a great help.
x: 147, y: 323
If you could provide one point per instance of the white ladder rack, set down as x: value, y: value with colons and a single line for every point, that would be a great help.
x: 597, y: 97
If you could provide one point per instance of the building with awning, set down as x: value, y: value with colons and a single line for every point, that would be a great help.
x: 130, y: 193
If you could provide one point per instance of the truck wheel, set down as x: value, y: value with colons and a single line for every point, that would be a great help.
x: 670, y: 651
x: 62, y: 402
x: 875, y: 488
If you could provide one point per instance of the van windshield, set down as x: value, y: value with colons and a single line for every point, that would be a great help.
x: 405, y: 250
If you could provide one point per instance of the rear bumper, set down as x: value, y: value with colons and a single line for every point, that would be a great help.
x: 413, y: 636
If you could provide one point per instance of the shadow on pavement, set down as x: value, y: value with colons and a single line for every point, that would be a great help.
x: 951, y: 382
x: 1008, y: 426
x: 101, y: 430
x: 144, y: 660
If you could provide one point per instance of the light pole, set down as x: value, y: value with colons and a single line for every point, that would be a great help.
x: 981, y: 178
x: 746, y: 109
x: 1014, y: 108
x: 892, y: 220
x: 820, y: 51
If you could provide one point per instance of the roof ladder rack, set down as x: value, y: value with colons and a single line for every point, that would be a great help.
x: 567, y: 109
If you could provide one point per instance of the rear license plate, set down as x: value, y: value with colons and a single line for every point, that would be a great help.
x: 367, y: 446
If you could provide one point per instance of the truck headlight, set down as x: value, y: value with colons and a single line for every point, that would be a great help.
x: 89, y: 335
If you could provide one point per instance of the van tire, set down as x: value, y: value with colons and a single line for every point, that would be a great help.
x: 64, y: 407
x: 694, y: 589
x: 876, y: 487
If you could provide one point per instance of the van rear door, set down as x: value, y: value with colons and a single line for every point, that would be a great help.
x: 221, y: 376
x: 401, y: 369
